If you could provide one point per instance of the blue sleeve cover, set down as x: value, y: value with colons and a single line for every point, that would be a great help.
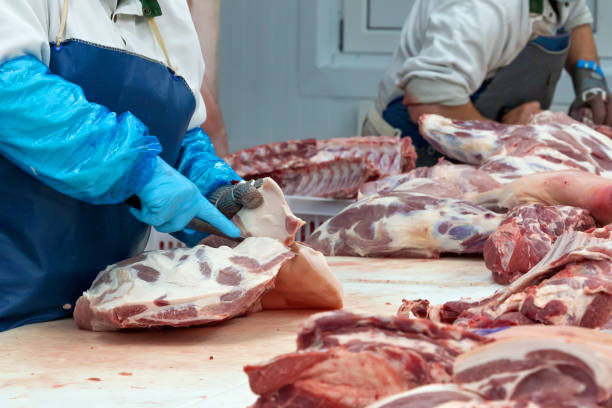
x: 50, y: 130
x: 200, y: 164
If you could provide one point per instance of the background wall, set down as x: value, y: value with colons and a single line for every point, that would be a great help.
x: 283, y: 73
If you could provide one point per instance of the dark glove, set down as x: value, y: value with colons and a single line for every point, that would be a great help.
x: 591, y: 92
x: 230, y: 199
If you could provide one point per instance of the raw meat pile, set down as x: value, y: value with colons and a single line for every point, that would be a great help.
x: 345, y: 360
x: 204, y: 284
x: 325, y: 168
x: 571, y: 285
x: 551, y: 142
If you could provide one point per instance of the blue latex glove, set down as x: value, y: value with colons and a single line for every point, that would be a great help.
x: 200, y: 164
x: 50, y: 130
x: 169, y: 201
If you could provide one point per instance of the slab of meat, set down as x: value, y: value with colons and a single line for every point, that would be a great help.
x: 543, y: 363
x: 339, y: 178
x: 550, y: 142
x: 262, y: 159
x: 272, y: 219
x: 304, y: 282
x: 326, y: 168
x: 181, y: 287
x: 571, y: 285
x: 347, y: 360
x: 405, y: 225
x: 444, y: 180
x: 526, y: 235
x: 574, y: 188
x: 430, y: 396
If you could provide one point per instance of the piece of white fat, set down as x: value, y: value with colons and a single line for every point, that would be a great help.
x: 273, y: 219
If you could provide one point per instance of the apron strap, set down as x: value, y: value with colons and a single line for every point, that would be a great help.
x: 382, y: 127
x: 60, y: 34
x: 160, y: 41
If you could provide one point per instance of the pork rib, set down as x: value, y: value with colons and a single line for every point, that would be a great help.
x: 326, y: 168
x: 181, y: 287
x: 405, y: 225
x: 347, y: 360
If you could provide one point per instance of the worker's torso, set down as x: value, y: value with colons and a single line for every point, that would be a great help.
x: 118, y: 25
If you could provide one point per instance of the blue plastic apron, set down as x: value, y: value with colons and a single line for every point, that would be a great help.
x: 52, y: 246
x: 531, y: 76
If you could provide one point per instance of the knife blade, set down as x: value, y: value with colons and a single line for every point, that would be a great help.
x: 195, y: 224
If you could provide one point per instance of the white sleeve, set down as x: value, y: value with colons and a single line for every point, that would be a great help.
x: 24, y: 28
x: 463, y: 39
x: 579, y: 15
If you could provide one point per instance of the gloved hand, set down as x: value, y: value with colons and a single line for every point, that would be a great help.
x: 591, y: 92
x: 169, y: 201
x: 230, y: 199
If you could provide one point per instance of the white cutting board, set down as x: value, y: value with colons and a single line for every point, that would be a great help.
x: 56, y: 365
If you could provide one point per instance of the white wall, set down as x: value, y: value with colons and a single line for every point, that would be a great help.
x: 259, y: 88
x: 265, y: 91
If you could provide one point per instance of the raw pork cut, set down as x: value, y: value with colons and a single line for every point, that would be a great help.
x: 526, y: 235
x: 445, y: 180
x: 326, y: 168
x: 575, y: 188
x: 550, y: 142
x: 334, y: 178
x: 347, y: 360
x: 565, y: 365
x: 430, y: 396
x: 272, y: 219
x: 405, y: 225
x: 304, y: 282
x: 181, y: 287
x: 571, y: 285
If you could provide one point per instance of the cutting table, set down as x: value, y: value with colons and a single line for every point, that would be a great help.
x: 54, y: 364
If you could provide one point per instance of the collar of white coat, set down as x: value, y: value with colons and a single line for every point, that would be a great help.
x: 547, y: 22
x: 124, y: 7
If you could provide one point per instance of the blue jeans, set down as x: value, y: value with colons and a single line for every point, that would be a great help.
x: 397, y: 116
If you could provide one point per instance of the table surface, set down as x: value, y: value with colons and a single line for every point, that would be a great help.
x: 56, y: 364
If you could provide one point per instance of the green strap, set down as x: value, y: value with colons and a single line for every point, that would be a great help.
x: 150, y: 8
x: 536, y: 6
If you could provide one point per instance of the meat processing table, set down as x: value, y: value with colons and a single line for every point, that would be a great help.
x: 55, y: 364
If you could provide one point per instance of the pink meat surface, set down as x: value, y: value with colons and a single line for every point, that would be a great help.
x: 526, y: 235
x: 445, y: 180
x: 405, y: 225
x: 347, y: 360
x: 182, y: 287
x: 550, y: 142
x: 573, y: 188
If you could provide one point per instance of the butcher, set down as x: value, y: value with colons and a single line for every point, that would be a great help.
x: 487, y: 60
x: 99, y: 105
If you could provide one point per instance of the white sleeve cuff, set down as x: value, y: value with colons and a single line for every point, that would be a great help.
x: 438, y: 91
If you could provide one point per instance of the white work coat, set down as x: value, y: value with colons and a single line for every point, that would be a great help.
x: 449, y: 47
x: 28, y: 26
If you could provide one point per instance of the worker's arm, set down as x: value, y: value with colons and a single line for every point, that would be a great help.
x: 582, y: 46
x: 206, y: 18
x: 519, y: 115
x: 589, y: 81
